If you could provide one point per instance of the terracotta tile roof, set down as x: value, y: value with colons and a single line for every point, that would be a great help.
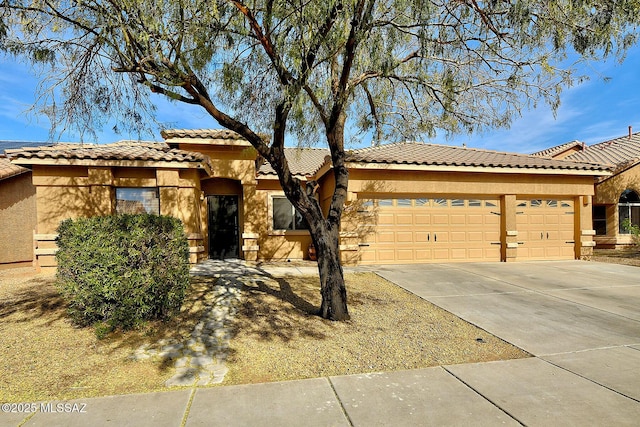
x: 8, y: 169
x: 559, y: 149
x: 123, y: 150
x: 302, y: 161
x: 413, y: 153
x: 200, y: 133
x: 619, y: 152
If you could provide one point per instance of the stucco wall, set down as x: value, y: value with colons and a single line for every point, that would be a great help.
x: 64, y: 192
x: 17, y: 220
x: 607, y: 192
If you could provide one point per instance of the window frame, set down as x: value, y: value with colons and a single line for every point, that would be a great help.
x: 155, y: 190
x: 630, y: 207
x: 281, y: 231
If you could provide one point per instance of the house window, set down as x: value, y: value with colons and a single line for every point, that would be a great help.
x: 600, y: 220
x: 285, y: 217
x: 137, y: 200
x: 628, y: 210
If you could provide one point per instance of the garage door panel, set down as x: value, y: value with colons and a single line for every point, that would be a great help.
x: 492, y: 236
x: 404, y: 237
x: 545, y: 229
x: 475, y: 236
x: 385, y: 219
x: 458, y: 219
x: 458, y: 236
x: 421, y: 236
x: 441, y: 254
x: 386, y: 237
x: 422, y: 219
x: 476, y: 219
x: 440, y: 219
x: 423, y: 255
x: 551, y: 219
x: 476, y: 253
x: 434, y: 229
x: 404, y: 219
x: 386, y: 255
x: 440, y: 237
x: 566, y: 219
x: 458, y: 254
x: 405, y: 254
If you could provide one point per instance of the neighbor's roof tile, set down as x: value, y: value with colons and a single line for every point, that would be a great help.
x: 8, y: 169
x: 302, y: 161
x: 559, y: 149
x: 414, y: 153
x: 200, y: 133
x: 619, y: 152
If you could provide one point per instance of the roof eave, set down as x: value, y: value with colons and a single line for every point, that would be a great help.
x: 483, y: 169
x: 22, y: 161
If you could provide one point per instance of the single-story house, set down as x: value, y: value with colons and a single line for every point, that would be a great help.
x: 407, y: 203
x: 17, y: 215
x: 617, y: 195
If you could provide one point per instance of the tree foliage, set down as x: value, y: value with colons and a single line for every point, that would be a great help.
x: 314, y: 70
x: 416, y: 65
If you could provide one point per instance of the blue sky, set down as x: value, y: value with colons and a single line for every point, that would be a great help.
x: 592, y: 112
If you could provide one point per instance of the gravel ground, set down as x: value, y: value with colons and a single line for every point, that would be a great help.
x: 622, y: 256
x: 279, y: 337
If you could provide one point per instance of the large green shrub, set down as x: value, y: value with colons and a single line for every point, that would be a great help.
x: 118, y: 271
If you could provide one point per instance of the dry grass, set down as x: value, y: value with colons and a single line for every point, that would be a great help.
x: 45, y: 357
x: 280, y: 338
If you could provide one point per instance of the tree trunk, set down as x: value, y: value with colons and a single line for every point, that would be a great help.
x: 332, y: 287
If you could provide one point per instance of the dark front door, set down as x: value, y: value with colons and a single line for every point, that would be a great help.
x: 223, y: 227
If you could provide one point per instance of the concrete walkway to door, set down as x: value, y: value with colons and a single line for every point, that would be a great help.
x: 580, y: 319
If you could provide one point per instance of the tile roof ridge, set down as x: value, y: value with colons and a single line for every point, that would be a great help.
x: 617, y: 140
x: 307, y: 148
x: 558, y: 148
x: 455, y: 147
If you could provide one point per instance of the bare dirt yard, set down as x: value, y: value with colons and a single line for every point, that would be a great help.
x: 629, y: 256
x: 277, y: 336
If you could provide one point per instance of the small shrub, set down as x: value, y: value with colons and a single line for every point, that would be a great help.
x: 119, y: 271
x: 633, y: 229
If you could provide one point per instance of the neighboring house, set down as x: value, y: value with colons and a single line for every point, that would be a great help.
x: 617, y: 195
x: 17, y: 215
x: 407, y: 202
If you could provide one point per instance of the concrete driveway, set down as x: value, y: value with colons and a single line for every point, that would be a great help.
x: 580, y: 319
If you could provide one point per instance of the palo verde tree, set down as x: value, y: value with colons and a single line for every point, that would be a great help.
x: 312, y: 70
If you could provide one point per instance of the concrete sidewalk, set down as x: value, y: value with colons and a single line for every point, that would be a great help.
x: 579, y: 319
x: 529, y: 392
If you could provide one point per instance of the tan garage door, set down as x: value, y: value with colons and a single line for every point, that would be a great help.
x: 431, y: 229
x: 545, y: 229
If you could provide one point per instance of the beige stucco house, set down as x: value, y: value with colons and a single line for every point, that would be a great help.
x: 407, y: 202
x: 17, y: 215
x: 617, y: 194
